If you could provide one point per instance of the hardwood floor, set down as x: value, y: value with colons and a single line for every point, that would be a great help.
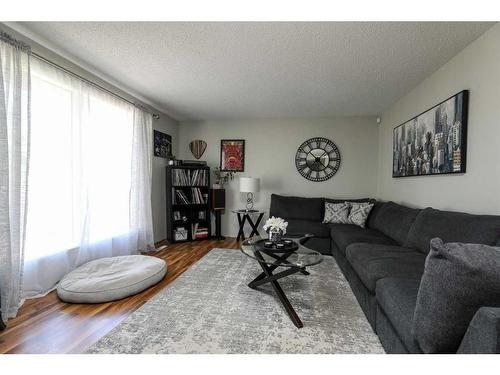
x: 47, y: 325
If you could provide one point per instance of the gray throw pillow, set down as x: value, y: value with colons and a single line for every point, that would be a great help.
x: 458, y: 279
x: 359, y: 213
x: 336, y: 213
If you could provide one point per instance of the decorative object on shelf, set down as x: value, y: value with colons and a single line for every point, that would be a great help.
x: 193, y: 163
x: 249, y: 185
x: 162, y: 144
x: 232, y: 155
x: 197, y: 148
x: 180, y: 234
x: 276, y: 228
x: 246, y: 216
x: 222, y: 178
x: 317, y: 159
x: 434, y: 142
x: 173, y: 161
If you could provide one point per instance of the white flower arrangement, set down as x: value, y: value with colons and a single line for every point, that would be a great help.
x: 275, y: 223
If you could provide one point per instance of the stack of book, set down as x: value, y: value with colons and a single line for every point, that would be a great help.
x: 199, y: 232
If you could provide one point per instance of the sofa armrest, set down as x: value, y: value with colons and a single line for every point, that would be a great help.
x: 483, y: 333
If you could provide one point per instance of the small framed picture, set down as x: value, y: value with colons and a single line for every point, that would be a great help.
x: 232, y: 155
x: 162, y: 144
x: 177, y: 215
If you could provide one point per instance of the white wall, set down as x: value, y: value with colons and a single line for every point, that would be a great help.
x: 270, y: 155
x: 476, y: 68
x: 169, y: 126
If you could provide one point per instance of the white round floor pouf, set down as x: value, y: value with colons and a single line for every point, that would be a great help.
x: 109, y: 279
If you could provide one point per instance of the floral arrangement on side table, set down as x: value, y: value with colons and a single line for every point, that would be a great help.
x: 276, y: 228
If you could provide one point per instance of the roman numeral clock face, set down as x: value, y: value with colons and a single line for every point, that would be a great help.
x: 317, y: 159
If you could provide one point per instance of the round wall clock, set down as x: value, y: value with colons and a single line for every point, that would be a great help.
x: 317, y: 159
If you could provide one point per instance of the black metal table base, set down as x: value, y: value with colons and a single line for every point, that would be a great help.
x: 2, y: 324
x: 243, y: 217
x: 268, y: 277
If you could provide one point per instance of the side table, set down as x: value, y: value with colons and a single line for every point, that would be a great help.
x: 246, y: 216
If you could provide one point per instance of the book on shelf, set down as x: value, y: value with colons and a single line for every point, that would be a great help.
x: 198, y: 197
x: 179, y: 197
x: 199, y: 177
x: 187, y: 177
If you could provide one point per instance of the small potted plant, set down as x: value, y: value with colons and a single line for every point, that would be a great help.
x: 222, y: 178
x: 276, y: 228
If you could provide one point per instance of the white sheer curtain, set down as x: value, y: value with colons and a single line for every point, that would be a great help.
x: 14, y: 156
x: 90, y: 178
x: 141, y: 218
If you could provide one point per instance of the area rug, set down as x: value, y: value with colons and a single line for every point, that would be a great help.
x: 210, y: 309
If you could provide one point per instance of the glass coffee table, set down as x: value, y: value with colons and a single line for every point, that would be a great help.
x: 292, y: 258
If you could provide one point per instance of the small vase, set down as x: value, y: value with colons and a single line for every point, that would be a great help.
x: 275, y: 235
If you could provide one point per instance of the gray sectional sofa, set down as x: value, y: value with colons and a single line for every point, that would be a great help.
x: 384, y: 262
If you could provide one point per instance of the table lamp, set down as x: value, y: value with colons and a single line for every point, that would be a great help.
x: 249, y: 185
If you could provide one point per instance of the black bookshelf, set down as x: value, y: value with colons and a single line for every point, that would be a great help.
x: 191, y: 184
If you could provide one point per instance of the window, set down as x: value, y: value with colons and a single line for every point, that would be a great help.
x: 80, y: 165
x: 89, y: 184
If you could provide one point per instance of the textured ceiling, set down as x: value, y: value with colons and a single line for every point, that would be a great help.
x: 202, y: 71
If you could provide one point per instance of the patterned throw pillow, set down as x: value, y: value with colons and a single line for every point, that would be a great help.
x: 359, y: 213
x: 336, y: 213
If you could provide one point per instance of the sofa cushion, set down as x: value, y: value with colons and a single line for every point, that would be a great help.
x: 452, y: 227
x: 306, y: 226
x: 344, y: 235
x: 458, y: 279
x: 394, y: 220
x: 375, y: 262
x: 358, y: 213
x: 109, y: 279
x: 297, y: 208
x: 336, y: 212
x: 397, y: 297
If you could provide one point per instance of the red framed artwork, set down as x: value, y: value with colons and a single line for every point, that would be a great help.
x: 232, y: 155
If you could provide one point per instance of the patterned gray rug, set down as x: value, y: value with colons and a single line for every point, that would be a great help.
x: 210, y: 309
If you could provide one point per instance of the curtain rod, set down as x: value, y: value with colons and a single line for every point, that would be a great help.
x: 57, y: 66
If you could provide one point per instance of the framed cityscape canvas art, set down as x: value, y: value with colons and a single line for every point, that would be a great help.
x: 434, y: 142
x: 162, y: 144
x: 232, y: 155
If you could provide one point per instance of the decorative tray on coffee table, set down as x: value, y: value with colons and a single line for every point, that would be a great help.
x: 282, y: 246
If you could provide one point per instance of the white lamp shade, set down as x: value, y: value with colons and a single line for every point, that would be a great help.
x: 249, y: 185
